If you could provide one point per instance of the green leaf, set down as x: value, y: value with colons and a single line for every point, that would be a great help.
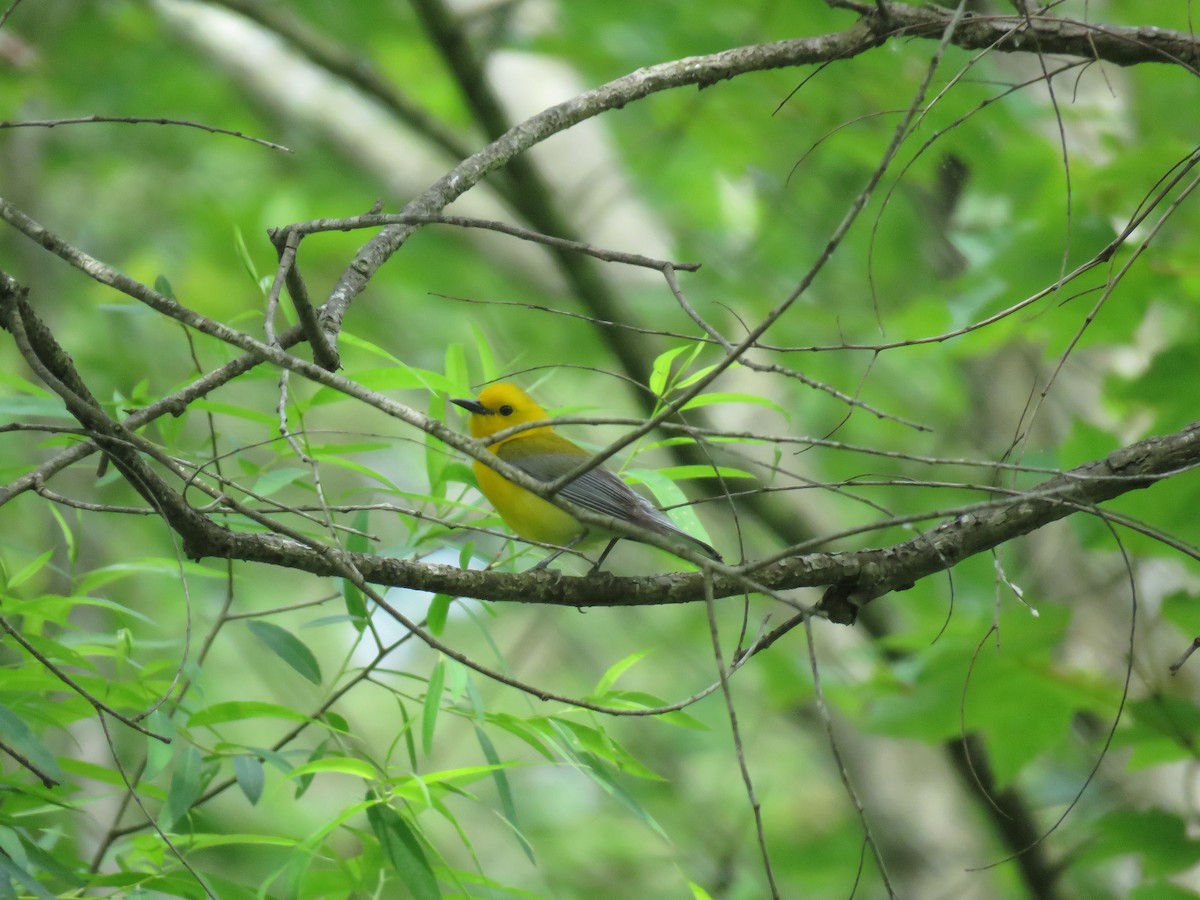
x: 168, y: 568
x: 693, y: 378
x: 406, y: 730
x: 28, y: 570
x: 439, y: 608
x: 158, y: 754
x: 341, y: 765
x: 18, y: 408
x: 433, y: 703
x: 163, y: 286
x: 21, y: 738
x: 1158, y: 837
x: 503, y: 790
x: 716, y: 397
x: 1159, y: 729
x: 243, y: 252
x: 602, y: 746
x: 287, y: 647
x: 1182, y: 609
x: 525, y: 731
x: 10, y: 872
x: 10, y: 844
x: 277, y: 479
x: 452, y: 777
x: 643, y: 700
x: 355, y: 600
x: 684, y: 473
x: 24, y: 386
x: 248, y: 771
x: 305, y: 780
x: 661, y: 371
x: 68, y: 536
x: 203, y: 841
x: 250, y: 414
x: 353, y: 340
x: 238, y: 710
x: 184, y: 789
x: 356, y: 605
x: 335, y: 722
x: 668, y: 494
x: 403, y: 850
x: 616, y: 670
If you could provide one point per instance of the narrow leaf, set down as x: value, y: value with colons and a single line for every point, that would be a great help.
x: 734, y: 397
x: 503, y: 790
x: 615, y: 670
x: 403, y: 849
x: 693, y: 378
x: 287, y: 647
x: 668, y: 494
x: 435, y: 619
x: 10, y: 872
x: 243, y: 252
x: 236, y: 710
x: 30, y: 569
x: 275, y: 480
x: 341, y: 765
x: 184, y: 789
x: 21, y: 738
x: 433, y: 703
x: 356, y: 603
x: 662, y: 369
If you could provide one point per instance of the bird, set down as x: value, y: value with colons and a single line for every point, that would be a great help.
x: 545, y: 455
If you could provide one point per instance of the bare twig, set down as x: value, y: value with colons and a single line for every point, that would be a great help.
x: 141, y: 120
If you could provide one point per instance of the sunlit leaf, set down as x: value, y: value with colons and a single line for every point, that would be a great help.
x: 237, y: 710
x: 340, y: 765
x: 714, y: 398
x: 616, y: 670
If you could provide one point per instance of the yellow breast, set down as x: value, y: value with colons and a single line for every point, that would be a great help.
x: 527, y: 514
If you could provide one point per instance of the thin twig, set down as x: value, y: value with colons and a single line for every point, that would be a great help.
x: 141, y: 120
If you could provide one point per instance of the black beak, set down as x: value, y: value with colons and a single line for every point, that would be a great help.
x: 473, y: 406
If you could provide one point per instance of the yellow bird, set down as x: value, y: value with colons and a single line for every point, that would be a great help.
x: 545, y: 455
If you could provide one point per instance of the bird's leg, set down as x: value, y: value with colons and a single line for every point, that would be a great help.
x: 599, y: 562
x: 559, y: 552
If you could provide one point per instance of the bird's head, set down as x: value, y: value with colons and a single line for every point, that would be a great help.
x: 500, y: 406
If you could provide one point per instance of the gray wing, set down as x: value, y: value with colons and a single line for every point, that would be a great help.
x: 603, y: 492
x: 597, y: 489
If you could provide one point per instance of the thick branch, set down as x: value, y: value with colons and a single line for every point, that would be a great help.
x: 857, y: 576
x: 899, y: 567
x: 1121, y: 45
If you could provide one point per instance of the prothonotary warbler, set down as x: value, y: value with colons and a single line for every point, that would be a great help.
x: 545, y: 455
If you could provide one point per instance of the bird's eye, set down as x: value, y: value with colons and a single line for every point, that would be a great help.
x: 506, y: 410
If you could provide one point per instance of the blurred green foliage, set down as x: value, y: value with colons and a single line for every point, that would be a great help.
x: 319, y: 751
